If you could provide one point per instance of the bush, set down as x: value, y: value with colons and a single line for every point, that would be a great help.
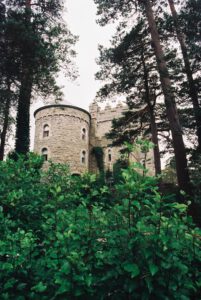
x: 70, y: 238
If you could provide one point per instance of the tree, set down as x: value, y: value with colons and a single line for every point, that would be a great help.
x: 130, y: 68
x: 193, y: 91
x: 9, y: 71
x: 44, y: 44
x: 109, y: 11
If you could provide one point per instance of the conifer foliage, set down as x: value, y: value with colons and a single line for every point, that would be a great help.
x: 42, y: 43
x: 151, y: 12
x: 130, y: 68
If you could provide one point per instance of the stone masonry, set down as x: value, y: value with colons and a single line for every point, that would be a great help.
x: 67, y: 134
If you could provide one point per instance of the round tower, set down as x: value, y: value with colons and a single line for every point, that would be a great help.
x: 62, y: 135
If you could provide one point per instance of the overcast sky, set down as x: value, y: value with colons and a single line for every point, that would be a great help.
x: 81, y: 19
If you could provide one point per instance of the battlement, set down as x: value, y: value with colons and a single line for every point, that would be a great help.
x: 68, y: 134
x: 108, y: 113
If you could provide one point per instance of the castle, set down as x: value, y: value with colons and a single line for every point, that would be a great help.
x: 68, y: 134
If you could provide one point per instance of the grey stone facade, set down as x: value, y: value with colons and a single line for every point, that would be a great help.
x: 67, y: 134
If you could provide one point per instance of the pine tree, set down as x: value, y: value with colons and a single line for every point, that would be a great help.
x: 111, y: 10
x: 193, y: 92
x: 131, y: 69
x: 44, y: 44
x: 9, y: 66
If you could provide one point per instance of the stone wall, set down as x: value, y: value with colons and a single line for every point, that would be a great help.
x: 65, y: 143
x: 101, y: 122
x: 68, y: 137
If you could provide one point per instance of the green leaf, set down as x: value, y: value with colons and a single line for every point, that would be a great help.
x: 65, y: 287
x: 132, y: 268
x: 66, y: 268
x: 180, y: 206
x: 40, y: 287
x: 153, y: 269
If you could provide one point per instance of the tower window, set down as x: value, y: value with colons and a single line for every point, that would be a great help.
x: 44, y: 153
x: 109, y: 155
x: 84, y: 133
x: 83, y: 157
x: 46, y: 130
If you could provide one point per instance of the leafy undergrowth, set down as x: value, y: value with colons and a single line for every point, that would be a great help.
x: 74, y: 238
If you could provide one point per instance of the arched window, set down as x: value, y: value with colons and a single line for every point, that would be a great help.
x: 109, y: 155
x: 83, y: 157
x: 84, y: 133
x: 75, y: 175
x: 44, y: 153
x: 46, y: 130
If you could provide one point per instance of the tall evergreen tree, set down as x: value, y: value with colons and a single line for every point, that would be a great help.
x: 131, y: 69
x: 9, y: 66
x: 110, y: 10
x: 193, y: 91
x: 44, y: 45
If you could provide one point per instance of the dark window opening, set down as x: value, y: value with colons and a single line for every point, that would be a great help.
x: 83, y: 134
x: 76, y: 175
x: 45, y: 154
x: 109, y: 155
x: 83, y: 158
x: 46, y: 130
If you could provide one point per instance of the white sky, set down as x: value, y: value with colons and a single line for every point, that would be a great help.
x: 81, y: 19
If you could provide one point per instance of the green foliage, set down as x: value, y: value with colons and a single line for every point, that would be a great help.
x: 195, y: 172
x: 169, y: 173
x: 59, y: 239
x: 35, y: 44
x: 117, y: 169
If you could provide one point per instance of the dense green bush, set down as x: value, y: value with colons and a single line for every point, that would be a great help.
x: 71, y: 238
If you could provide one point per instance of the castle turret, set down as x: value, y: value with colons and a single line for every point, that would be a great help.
x: 62, y: 135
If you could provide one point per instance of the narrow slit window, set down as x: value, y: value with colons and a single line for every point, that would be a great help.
x: 83, y: 158
x: 46, y: 130
x: 84, y: 132
x: 44, y: 153
x: 109, y: 155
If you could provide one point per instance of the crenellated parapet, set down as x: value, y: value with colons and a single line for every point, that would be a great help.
x: 108, y: 112
x: 68, y: 134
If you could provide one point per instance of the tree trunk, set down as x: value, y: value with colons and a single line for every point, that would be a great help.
x: 172, y: 114
x: 23, y: 114
x: 23, y: 111
x: 192, y: 88
x: 154, y: 135
x: 5, y: 123
x: 154, y: 132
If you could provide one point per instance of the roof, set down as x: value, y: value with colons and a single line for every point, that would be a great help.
x: 61, y: 105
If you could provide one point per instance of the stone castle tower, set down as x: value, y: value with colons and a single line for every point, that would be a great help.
x: 67, y: 134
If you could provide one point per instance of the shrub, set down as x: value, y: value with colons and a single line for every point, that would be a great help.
x: 71, y: 238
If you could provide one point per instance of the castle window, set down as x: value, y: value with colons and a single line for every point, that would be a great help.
x: 46, y: 130
x: 44, y: 153
x: 84, y: 133
x: 109, y: 155
x: 83, y: 157
x: 75, y: 175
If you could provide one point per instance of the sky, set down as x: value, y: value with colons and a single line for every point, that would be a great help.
x: 81, y: 19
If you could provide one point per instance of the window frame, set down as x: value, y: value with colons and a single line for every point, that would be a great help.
x: 84, y: 134
x: 83, y: 157
x: 46, y: 133
x: 44, y: 155
x: 109, y: 155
